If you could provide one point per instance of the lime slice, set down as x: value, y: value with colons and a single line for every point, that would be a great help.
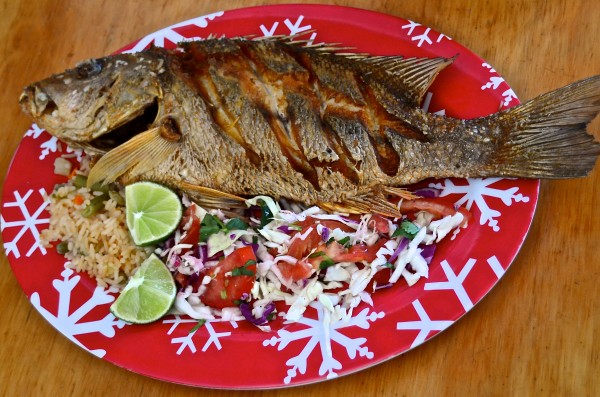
x: 153, y: 212
x: 148, y: 295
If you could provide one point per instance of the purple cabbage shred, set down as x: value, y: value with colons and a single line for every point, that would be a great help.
x: 246, y: 310
x: 401, y: 245
x: 325, y: 234
x: 428, y: 252
x: 284, y: 228
x: 382, y: 286
x: 428, y: 192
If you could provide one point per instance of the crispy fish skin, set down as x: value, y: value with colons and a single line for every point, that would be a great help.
x: 222, y: 118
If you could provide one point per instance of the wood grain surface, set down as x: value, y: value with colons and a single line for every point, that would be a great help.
x: 536, y: 334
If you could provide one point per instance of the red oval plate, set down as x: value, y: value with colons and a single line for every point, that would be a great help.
x: 463, y: 271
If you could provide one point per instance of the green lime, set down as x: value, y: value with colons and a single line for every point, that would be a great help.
x: 148, y: 295
x: 153, y: 212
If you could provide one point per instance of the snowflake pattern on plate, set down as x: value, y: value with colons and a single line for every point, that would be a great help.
x: 312, y: 349
x: 323, y: 332
x: 475, y: 192
x: 69, y: 322
x: 497, y: 83
x: 421, y: 34
x: 26, y: 223
x: 187, y: 341
x: 171, y: 34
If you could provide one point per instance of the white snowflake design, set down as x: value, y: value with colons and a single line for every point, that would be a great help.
x: 69, y: 324
x: 455, y: 283
x: 293, y: 28
x: 187, y: 341
x: 425, y: 324
x: 28, y: 222
x: 475, y: 191
x: 158, y: 38
x: 494, y: 83
x: 51, y: 144
x: 323, y: 333
x: 421, y: 33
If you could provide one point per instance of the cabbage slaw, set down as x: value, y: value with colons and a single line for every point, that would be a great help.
x: 345, y: 258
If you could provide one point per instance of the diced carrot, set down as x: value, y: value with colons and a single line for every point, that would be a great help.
x: 73, y: 172
x: 77, y: 200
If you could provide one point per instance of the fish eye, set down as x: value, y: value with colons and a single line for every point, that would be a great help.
x: 88, y: 68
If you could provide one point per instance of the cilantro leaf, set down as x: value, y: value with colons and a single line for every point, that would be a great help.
x: 325, y: 263
x: 206, y: 231
x: 236, y: 224
x: 266, y: 214
x: 211, y: 225
x: 243, y: 270
x: 345, y: 242
x: 406, y: 229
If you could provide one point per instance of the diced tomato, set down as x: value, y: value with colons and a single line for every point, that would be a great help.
x: 382, y: 277
x: 192, y: 235
x: 302, y: 247
x: 180, y: 278
x: 379, y: 224
x: 293, y: 272
x: 224, y: 290
x: 332, y: 224
x: 435, y: 207
x: 356, y: 253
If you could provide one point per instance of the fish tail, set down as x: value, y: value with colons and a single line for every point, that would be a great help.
x: 546, y: 137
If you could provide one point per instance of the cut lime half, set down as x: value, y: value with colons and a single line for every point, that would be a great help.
x: 148, y: 295
x: 153, y: 212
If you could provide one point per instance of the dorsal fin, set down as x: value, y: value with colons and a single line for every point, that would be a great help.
x: 416, y: 74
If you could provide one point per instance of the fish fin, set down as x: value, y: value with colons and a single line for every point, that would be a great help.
x: 374, y: 202
x: 546, y: 137
x: 399, y: 192
x: 212, y: 198
x: 417, y: 74
x: 134, y: 157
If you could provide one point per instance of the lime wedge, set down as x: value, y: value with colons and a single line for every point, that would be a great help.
x: 153, y: 212
x: 148, y: 295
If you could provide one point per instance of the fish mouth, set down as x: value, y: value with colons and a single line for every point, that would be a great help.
x: 36, y: 102
x: 125, y: 131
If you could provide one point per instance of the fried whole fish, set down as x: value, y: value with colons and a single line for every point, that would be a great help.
x: 224, y: 118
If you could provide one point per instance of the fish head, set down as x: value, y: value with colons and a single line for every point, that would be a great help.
x: 100, y: 103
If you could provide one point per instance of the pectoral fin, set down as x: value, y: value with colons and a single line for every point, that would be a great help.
x: 211, y: 198
x: 136, y: 156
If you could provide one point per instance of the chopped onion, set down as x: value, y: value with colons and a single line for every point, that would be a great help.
x: 62, y: 166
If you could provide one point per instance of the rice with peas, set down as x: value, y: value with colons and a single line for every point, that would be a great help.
x: 99, y: 245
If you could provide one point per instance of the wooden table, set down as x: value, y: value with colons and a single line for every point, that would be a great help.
x: 536, y: 333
